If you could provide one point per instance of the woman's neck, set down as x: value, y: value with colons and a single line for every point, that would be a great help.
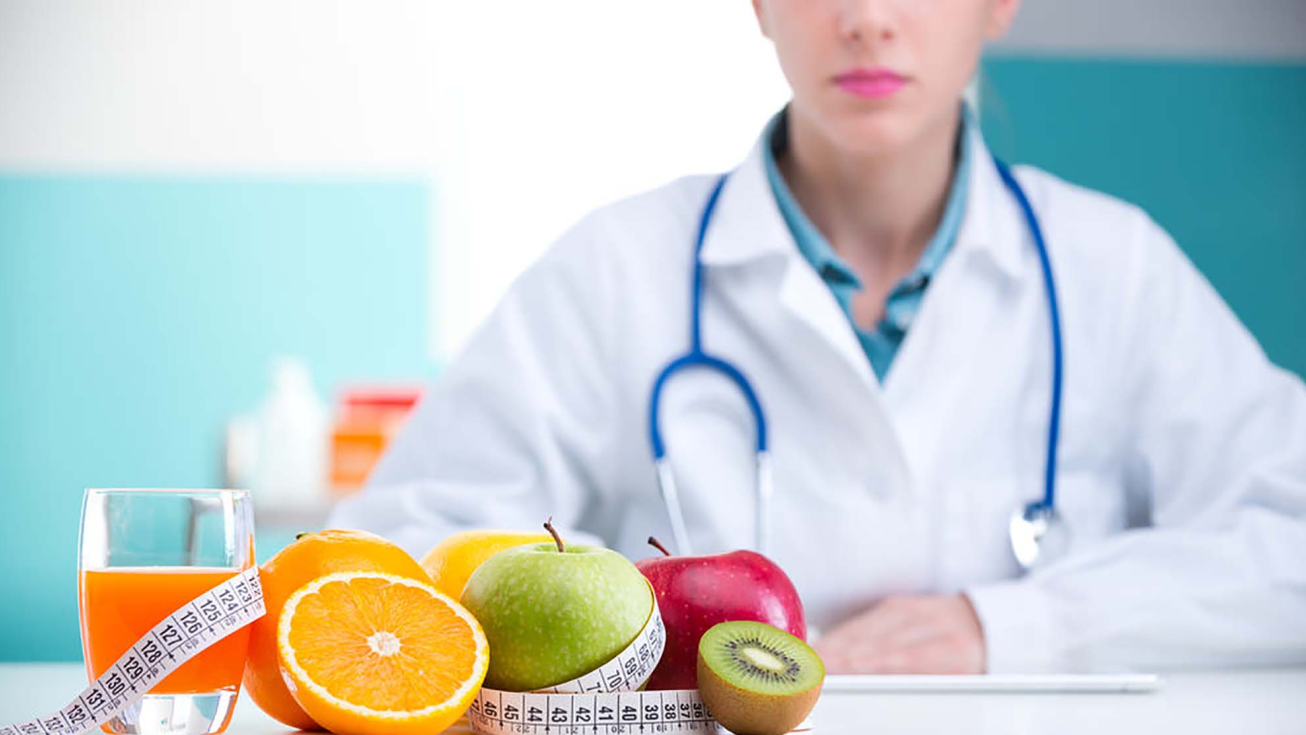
x: 878, y: 211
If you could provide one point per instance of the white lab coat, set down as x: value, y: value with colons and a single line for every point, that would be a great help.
x: 1182, y: 472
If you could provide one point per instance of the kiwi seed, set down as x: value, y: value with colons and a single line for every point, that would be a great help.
x: 757, y: 679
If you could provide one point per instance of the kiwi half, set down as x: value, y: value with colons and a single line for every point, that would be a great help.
x: 757, y: 679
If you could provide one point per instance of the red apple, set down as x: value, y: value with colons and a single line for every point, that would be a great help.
x: 696, y: 592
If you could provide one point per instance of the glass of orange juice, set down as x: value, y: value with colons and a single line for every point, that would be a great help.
x: 143, y: 554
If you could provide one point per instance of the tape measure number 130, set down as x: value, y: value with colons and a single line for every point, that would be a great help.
x: 606, y: 701
x: 195, y: 626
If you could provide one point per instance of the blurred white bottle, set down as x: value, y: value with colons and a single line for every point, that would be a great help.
x: 292, y: 430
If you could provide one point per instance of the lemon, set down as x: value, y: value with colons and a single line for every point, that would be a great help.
x: 452, y: 561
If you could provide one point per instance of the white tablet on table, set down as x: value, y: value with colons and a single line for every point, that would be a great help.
x: 995, y: 683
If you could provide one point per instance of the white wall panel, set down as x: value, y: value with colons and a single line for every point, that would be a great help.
x: 1199, y: 29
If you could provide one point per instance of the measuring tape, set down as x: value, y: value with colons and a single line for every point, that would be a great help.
x: 195, y: 626
x: 605, y: 701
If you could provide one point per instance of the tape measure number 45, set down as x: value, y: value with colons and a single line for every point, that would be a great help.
x: 605, y: 701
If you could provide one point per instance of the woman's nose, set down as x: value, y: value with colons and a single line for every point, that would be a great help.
x: 868, y: 21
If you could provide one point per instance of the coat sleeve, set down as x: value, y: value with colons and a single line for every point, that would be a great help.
x: 1218, y: 450
x: 518, y: 426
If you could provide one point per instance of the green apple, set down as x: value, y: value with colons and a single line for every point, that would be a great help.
x: 552, y: 612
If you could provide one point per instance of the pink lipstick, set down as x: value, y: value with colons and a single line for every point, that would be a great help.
x: 874, y: 83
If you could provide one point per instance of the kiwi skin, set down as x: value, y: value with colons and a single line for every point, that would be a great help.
x: 745, y: 712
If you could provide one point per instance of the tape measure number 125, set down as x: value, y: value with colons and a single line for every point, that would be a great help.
x: 195, y: 626
x: 606, y: 701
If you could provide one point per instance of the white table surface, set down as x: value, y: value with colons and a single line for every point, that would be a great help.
x: 1242, y: 702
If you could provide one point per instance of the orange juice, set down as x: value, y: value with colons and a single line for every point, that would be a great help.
x: 120, y: 605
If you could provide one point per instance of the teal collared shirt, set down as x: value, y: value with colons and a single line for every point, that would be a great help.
x: 880, y: 345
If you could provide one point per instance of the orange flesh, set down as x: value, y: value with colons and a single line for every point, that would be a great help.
x: 381, y: 645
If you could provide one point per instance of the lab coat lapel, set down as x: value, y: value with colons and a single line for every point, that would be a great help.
x: 747, y: 226
x: 807, y: 297
x: 964, y: 309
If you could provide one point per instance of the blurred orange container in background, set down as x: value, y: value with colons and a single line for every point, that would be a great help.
x: 367, y: 419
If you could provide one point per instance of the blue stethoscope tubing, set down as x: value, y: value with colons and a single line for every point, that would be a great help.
x: 697, y: 357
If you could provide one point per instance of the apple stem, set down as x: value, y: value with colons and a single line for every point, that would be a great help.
x: 658, y: 545
x: 548, y: 526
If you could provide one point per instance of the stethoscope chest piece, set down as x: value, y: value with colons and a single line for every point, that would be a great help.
x: 1038, y: 535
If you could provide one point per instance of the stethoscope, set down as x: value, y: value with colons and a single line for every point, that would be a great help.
x: 1036, y: 529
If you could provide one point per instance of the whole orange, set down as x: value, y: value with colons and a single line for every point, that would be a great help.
x: 309, y: 557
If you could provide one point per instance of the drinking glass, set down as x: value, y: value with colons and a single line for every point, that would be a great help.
x: 142, y: 555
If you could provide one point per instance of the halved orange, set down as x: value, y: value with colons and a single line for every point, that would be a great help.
x: 309, y: 557
x: 366, y: 653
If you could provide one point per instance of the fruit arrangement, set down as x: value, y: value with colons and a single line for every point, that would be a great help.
x: 361, y: 639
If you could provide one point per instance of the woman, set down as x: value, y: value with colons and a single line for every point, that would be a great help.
x: 879, y: 284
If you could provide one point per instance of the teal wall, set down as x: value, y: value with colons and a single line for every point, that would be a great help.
x: 138, y: 313
x: 1216, y: 153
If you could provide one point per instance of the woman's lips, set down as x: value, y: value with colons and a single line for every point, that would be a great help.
x: 870, y: 83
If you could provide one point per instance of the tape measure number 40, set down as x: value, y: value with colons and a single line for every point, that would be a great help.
x: 609, y: 713
x: 605, y: 701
